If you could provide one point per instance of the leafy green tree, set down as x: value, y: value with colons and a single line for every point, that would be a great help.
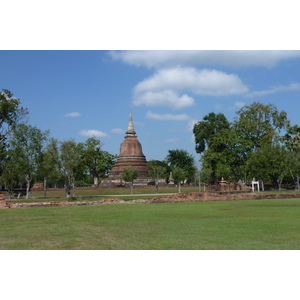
x: 204, y: 133
x: 182, y: 159
x: 227, y: 147
x: 292, y: 141
x: 292, y: 138
x: 26, y: 147
x: 49, y: 166
x: 12, y: 174
x: 129, y: 175
x: 71, y: 163
x: 3, y: 156
x: 228, y: 153
x: 157, y: 170
x: 10, y: 113
x: 258, y: 125
x: 97, y: 161
x: 271, y: 162
x: 179, y: 176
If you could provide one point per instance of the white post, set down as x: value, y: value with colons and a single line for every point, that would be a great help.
x: 253, y: 183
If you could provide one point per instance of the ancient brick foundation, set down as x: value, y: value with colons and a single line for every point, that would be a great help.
x: 177, y: 198
x: 3, y: 203
x: 38, y: 187
x: 223, y: 186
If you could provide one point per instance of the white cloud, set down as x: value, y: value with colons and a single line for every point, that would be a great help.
x: 236, y: 58
x: 275, y: 89
x: 163, y: 98
x: 92, y: 133
x: 167, y: 117
x: 118, y: 131
x: 163, y: 88
x: 239, y: 104
x: 201, y: 82
x: 72, y: 115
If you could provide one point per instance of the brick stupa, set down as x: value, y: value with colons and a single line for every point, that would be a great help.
x: 131, y: 154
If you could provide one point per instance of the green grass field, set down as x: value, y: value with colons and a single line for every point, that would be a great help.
x: 248, y: 224
x: 116, y: 191
x: 102, y: 193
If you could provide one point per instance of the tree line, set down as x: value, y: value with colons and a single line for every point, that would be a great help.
x: 30, y: 155
x: 260, y: 142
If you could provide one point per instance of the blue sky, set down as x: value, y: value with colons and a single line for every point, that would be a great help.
x: 78, y: 94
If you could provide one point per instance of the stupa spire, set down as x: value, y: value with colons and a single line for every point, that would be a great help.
x: 131, y: 154
x: 130, y: 130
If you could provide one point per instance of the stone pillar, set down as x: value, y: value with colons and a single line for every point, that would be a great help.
x: 222, y: 184
x: 171, y: 180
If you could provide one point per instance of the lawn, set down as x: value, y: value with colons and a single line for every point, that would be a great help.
x: 101, y: 193
x: 113, y: 191
x: 248, y: 224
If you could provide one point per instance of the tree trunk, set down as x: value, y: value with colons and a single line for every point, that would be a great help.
x: 213, y: 177
x: 275, y: 182
x: 156, y: 186
x: 45, y: 186
x: 179, y: 186
x: 96, y: 181
x: 68, y: 190
x: 74, y: 190
x: 28, y: 180
x: 10, y: 192
x: 131, y: 187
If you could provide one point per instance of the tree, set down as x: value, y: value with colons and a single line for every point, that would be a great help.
x: 129, y: 175
x: 26, y: 146
x: 179, y: 175
x: 49, y: 166
x: 11, y: 175
x: 205, y: 132
x: 10, y: 113
x: 71, y: 163
x: 271, y: 162
x: 182, y: 159
x: 97, y: 161
x: 157, y: 170
x: 227, y: 151
x: 227, y: 147
x: 292, y: 138
x: 292, y: 141
x: 258, y: 125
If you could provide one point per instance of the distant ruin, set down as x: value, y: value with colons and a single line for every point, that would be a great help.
x: 131, y: 154
x: 224, y: 186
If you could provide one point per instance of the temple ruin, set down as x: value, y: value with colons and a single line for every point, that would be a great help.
x: 131, y: 154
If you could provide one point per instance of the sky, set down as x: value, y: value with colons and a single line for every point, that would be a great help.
x: 81, y: 94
